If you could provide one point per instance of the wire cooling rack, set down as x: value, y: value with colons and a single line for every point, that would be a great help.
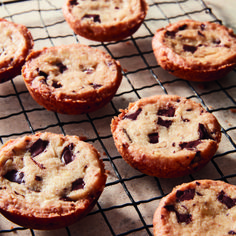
x: 130, y: 198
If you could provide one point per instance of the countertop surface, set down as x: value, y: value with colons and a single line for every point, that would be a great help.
x: 130, y: 198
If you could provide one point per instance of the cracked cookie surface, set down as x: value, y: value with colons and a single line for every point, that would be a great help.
x: 49, y: 180
x: 198, y: 208
x: 166, y: 135
x: 198, y: 51
x: 102, y: 20
x: 72, y: 79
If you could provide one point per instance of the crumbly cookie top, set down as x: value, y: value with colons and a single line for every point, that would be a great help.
x: 200, y: 42
x: 71, y: 70
x: 47, y: 170
x: 107, y: 12
x: 201, y: 208
x: 168, y: 125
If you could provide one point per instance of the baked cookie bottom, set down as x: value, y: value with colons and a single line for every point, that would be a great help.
x: 166, y: 135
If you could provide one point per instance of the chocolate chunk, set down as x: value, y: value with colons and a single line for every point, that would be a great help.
x: 95, y: 17
x: 183, y: 27
x: 201, y: 34
x: 73, y: 2
x: 184, y: 218
x: 185, y: 195
x: 42, y: 73
x: 95, y: 86
x: 61, y: 67
x: 232, y: 232
x: 203, y: 134
x: 67, y: 154
x: 216, y: 41
x: 202, y: 26
x: 189, y: 48
x: 170, y: 33
x: 181, y: 218
x: 133, y: 116
x: 56, y: 84
x: 78, y: 184
x: 38, y: 178
x: 228, y: 201
x: 190, y: 145
x: 153, y: 137
x: 197, y: 157
x: 169, y: 112
x: 166, y: 123
x: 169, y: 207
x: 38, y: 147
x: 15, y: 176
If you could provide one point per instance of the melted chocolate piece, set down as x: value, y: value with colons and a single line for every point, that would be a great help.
x: 42, y: 73
x: 38, y: 147
x: 183, y: 27
x: 95, y: 17
x: 232, y: 232
x: 185, y: 195
x: 56, y: 84
x: 133, y: 116
x: 15, y: 176
x: 189, y: 48
x: 169, y: 112
x: 228, y: 201
x: 153, y: 137
x: 73, y: 2
x: 38, y: 178
x: 67, y: 154
x: 78, y: 184
x: 181, y: 218
x: 202, y: 26
x: 190, y: 145
x: 197, y: 157
x: 170, y: 33
x: 95, y: 86
x: 203, y: 134
x: 201, y: 34
x: 166, y: 123
x: 216, y: 41
x: 61, y: 67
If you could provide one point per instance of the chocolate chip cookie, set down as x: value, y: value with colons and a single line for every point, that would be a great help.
x: 166, y: 135
x: 15, y: 44
x: 72, y: 79
x: 197, y: 51
x: 49, y: 180
x: 202, y: 207
x: 104, y: 21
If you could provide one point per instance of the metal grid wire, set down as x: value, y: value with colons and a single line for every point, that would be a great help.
x: 130, y: 198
